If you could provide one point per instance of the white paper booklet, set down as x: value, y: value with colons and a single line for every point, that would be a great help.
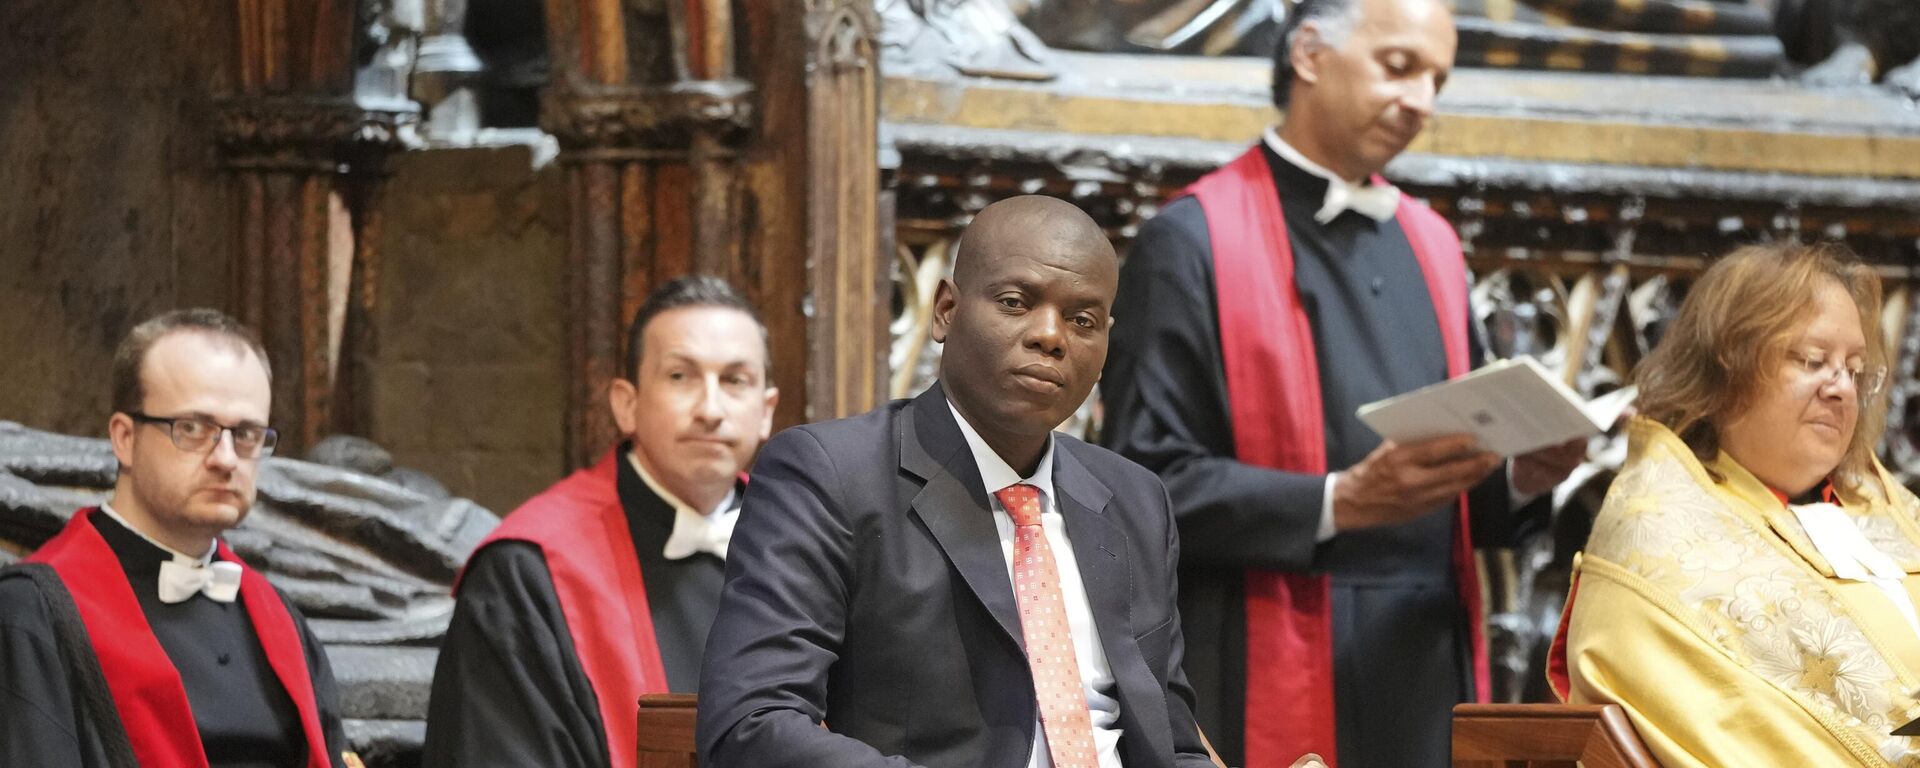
x: 1512, y: 406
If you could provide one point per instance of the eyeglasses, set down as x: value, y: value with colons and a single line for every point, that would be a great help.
x: 250, y: 441
x: 1816, y: 365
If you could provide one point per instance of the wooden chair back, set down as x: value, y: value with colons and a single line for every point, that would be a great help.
x: 1546, y: 736
x: 666, y: 731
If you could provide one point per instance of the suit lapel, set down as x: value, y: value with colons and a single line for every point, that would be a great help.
x: 1100, y: 548
x: 953, y: 505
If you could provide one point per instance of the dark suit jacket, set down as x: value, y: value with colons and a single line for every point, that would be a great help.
x: 866, y: 588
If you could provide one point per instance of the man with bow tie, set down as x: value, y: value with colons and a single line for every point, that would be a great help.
x: 1327, y: 580
x: 134, y: 636
x: 603, y: 587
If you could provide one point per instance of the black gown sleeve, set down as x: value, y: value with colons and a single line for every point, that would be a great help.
x: 326, y: 690
x: 508, y: 689
x: 38, y: 724
x: 1166, y: 408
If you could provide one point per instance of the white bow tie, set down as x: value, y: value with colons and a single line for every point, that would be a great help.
x: 694, y: 533
x: 218, y: 580
x: 1376, y: 201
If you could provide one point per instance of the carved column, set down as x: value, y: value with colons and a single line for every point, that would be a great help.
x: 647, y: 205
x: 684, y: 156
x: 304, y: 156
x: 649, y: 119
x: 847, y: 349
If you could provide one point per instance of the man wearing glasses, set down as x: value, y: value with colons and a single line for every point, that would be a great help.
x: 135, y: 636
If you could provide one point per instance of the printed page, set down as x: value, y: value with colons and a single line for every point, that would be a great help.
x: 1511, y: 407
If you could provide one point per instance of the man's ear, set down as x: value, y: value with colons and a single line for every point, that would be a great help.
x: 1307, y: 43
x: 944, y: 299
x: 621, y: 395
x: 120, y: 429
x: 766, y: 417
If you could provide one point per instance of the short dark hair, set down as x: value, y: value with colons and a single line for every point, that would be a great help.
x: 1330, y: 13
x: 129, y: 387
x: 691, y: 291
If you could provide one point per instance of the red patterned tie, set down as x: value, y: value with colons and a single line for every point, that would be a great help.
x: 1043, y: 620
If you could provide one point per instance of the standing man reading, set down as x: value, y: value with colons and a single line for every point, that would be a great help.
x: 1327, y: 583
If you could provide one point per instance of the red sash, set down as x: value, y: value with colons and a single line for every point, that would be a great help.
x: 1273, y: 389
x: 580, y: 527
x: 1559, y: 675
x: 146, y: 688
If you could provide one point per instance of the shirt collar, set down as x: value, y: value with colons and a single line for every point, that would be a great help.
x: 1378, y: 202
x: 995, y: 473
x: 692, y: 532
x: 1288, y: 153
x: 169, y: 552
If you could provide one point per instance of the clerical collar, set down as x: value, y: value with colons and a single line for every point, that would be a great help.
x: 693, y: 532
x: 995, y: 473
x: 1374, y: 201
x: 171, y: 553
x: 1819, y: 493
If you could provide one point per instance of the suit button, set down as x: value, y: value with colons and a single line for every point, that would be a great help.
x: 223, y: 658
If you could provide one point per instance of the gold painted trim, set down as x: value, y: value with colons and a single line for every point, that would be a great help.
x: 1007, y: 106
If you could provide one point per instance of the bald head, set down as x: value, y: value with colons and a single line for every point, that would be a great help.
x: 1019, y: 225
x: 1025, y: 321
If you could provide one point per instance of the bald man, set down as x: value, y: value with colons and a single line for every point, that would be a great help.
x: 945, y: 581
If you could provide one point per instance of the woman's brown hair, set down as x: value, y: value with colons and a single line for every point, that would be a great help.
x: 1731, y: 339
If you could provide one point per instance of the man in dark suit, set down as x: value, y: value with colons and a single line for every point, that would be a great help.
x: 880, y: 584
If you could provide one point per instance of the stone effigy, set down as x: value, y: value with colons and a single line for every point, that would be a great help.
x: 1830, y: 42
x: 367, y: 551
x: 1850, y: 42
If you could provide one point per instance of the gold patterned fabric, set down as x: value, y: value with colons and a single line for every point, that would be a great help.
x: 1705, y: 611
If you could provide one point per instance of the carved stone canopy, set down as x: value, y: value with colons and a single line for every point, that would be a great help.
x: 308, y: 133
x: 648, y: 117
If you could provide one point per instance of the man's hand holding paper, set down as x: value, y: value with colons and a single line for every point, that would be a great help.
x: 1538, y: 472
x: 1400, y: 481
x: 1514, y: 407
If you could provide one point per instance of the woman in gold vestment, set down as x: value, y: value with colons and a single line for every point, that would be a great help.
x: 1748, y: 594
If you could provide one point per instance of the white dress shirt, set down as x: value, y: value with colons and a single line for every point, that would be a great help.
x: 1096, y: 676
x: 693, y: 532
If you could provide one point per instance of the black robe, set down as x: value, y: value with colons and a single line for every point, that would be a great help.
x: 509, y: 689
x: 244, y: 716
x: 1401, y: 650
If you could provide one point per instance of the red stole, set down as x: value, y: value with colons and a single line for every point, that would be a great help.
x: 1559, y: 675
x: 1273, y: 389
x: 582, y: 530
x: 146, y: 688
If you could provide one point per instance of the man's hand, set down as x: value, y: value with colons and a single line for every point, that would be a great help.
x: 1538, y: 472
x: 1397, y: 482
x: 1308, y: 760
